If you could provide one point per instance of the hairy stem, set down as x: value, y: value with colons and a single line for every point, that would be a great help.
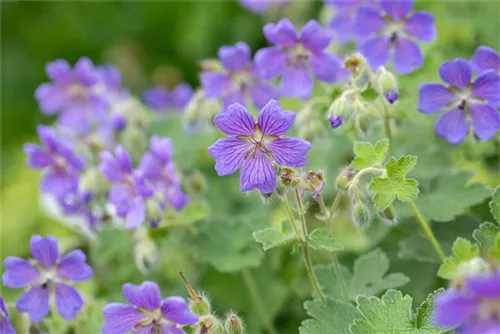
x: 387, y: 127
x: 257, y: 300
x: 427, y: 231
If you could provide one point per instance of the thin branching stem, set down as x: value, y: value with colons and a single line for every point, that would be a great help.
x: 427, y: 231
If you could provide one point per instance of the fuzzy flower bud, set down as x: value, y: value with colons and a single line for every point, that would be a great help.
x: 233, y: 324
x: 360, y: 71
x: 360, y: 214
x: 200, y: 305
x: 388, y: 215
x: 344, y: 177
x: 335, y: 121
x: 316, y: 180
x: 209, y: 325
x: 386, y: 84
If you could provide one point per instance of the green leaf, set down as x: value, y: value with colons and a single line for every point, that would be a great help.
x: 332, y: 317
x: 322, y: 239
x: 395, y: 184
x: 463, y: 251
x: 369, y: 276
x: 369, y: 155
x: 495, y: 204
x: 392, y: 314
x: 226, y: 244
x: 486, y: 235
x: 272, y: 237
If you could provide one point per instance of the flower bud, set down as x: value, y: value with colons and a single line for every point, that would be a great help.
x: 316, y: 181
x: 388, y: 215
x: 360, y: 71
x: 200, y: 305
x: 209, y: 325
x: 387, y: 85
x: 344, y: 177
x: 233, y: 324
x: 360, y: 214
x: 335, y: 122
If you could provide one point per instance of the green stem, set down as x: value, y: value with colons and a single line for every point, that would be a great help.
x: 387, y: 127
x: 427, y: 231
x: 301, y: 212
x: 257, y: 300
x: 305, y: 247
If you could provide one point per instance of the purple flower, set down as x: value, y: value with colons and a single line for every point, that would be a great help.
x: 475, y: 307
x: 147, y: 313
x: 260, y: 6
x: 295, y: 56
x: 74, y: 94
x: 238, y: 81
x: 335, y: 121
x: 253, y: 146
x: 160, y: 99
x: 462, y: 99
x: 47, y: 272
x: 59, y: 162
x: 5, y: 325
x: 390, y: 29
x: 129, y: 187
x: 484, y: 59
x: 342, y: 23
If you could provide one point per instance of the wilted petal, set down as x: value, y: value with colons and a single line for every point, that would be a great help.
x: 229, y: 154
x: 146, y: 295
x: 487, y: 86
x: 368, y: 21
x: 485, y: 58
x: 136, y: 213
x: 35, y: 302
x: 235, y: 58
x: 18, y: 272
x: 282, y: 33
x: 37, y: 157
x: 59, y: 71
x: 273, y: 120
x: 177, y: 310
x: 452, y: 125
x: 289, y: 152
x: 421, y: 25
x: 261, y: 93
x: 376, y: 50
x: 433, y: 97
x: 314, y: 37
x: 236, y: 120
x: 325, y: 66
x: 270, y: 62
x: 215, y: 84
x: 44, y: 250
x: 297, y: 81
x: 452, y: 308
x: 397, y: 9
x: 51, y: 98
x: 68, y: 301
x: 121, y: 318
x: 407, y: 56
x: 456, y: 73
x: 257, y: 172
x: 73, y: 267
x: 485, y: 120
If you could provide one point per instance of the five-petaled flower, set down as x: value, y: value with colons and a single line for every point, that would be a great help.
x: 253, y: 146
x: 161, y: 99
x: 147, y: 312
x: 475, y: 307
x: 238, y: 80
x: 47, y: 273
x: 5, y: 324
x: 389, y: 28
x: 295, y: 56
x: 463, y: 98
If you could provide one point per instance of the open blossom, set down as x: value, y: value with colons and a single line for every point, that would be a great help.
x: 47, y: 273
x: 296, y: 57
x: 75, y: 94
x: 390, y: 29
x: 484, y: 59
x: 147, y: 313
x: 342, y: 22
x: 475, y: 307
x: 253, y: 146
x: 161, y: 99
x: 5, y: 325
x: 463, y: 99
x: 238, y: 81
x: 260, y: 6
x: 59, y: 162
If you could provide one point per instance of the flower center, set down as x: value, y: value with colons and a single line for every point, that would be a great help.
x: 489, y: 310
x: 298, y: 54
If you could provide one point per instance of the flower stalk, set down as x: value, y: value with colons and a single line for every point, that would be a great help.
x: 427, y: 231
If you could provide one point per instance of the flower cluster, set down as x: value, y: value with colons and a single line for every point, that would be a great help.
x: 45, y: 274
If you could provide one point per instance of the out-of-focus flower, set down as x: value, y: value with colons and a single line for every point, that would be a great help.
x: 46, y: 273
x: 261, y: 6
x: 5, y: 325
x: 475, y: 307
x: 389, y: 28
x: 59, y: 162
x: 297, y: 56
x: 342, y: 23
x: 484, y: 59
x: 238, y: 81
x: 161, y: 99
x: 335, y: 121
x: 253, y: 146
x: 147, y: 313
x: 460, y: 98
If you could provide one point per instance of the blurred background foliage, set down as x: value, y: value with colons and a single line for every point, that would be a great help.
x: 160, y: 42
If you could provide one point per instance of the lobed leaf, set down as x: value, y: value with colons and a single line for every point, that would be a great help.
x: 272, y: 237
x: 369, y: 155
x: 322, y: 239
x: 332, y: 317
